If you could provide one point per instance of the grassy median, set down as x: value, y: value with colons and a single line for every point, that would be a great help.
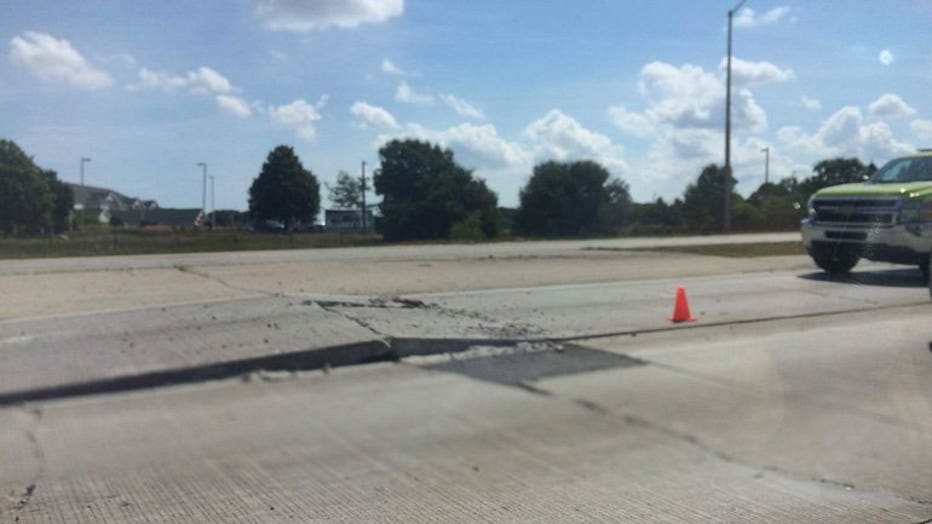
x: 144, y: 242
x: 748, y: 250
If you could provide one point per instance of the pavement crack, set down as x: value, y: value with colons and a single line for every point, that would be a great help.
x: 371, y: 303
x: 207, y: 276
x: 334, y: 308
x: 696, y: 442
x: 23, y: 498
x: 725, y: 457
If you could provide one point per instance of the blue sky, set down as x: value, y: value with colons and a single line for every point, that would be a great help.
x: 149, y: 89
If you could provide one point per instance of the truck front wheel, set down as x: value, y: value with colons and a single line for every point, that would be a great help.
x: 835, y: 259
x: 924, y: 268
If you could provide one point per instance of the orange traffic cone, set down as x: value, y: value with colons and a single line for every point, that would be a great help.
x: 681, y: 307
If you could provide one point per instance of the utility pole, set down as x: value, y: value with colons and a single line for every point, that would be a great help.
x: 213, y: 208
x: 766, y: 152
x: 83, y: 161
x: 203, y: 165
x: 726, y: 219
x: 363, y: 190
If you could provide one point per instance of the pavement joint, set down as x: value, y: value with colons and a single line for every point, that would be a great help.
x: 738, y: 322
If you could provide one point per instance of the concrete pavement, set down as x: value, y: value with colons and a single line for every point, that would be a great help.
x: 179, y: 343
x: 794, y: 398
x: 656, y: 442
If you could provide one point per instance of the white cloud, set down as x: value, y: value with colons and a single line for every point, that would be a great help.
x: 304, y: 15
x: 234, y: 105
x: 775, y: 15
x: 630, y: 122
x: 462, y: 107
x: 689, y: 97
x: 747, y: 18
x: 922, y: 128
x: 746, y: 73
x: 205, y: 80
x: 840, y: 128
x: 885, y: 57
x: 149, y: 79
x: 680, y: 96
x: 54, y: 60
x: 476, y: 147
x: 555, y: 136
x: 374, y: 117
x: 299, y: 116
x: 389, y: 68
x: 558, y: 136
x: 684, y: 120
x: 889, y: 107
x: 845, y: 133
x: 812, y: 104
x: 405, y: 94
x: 480, y: 145
x: 746, y: 114
x: 679, y: 154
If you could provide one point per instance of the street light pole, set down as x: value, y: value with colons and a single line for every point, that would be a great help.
x: 726, y: 219
x: 766, y: 152
x: 83, y: 161
x: 203, y: 165
x: 213, y: 208
x: 363, y: 190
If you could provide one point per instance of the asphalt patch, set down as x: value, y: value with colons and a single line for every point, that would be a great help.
x: 518, y: 368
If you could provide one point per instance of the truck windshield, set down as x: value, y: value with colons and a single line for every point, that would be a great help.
x: 914, y: 169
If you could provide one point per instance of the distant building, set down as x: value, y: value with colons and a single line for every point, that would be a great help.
x: 167, y: 217
x: 104, y: 202
x: 347, y: 220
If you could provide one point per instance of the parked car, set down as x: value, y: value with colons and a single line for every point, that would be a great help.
x: 267, y: 226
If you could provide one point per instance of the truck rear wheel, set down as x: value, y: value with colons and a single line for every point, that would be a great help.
x: 835, y: 259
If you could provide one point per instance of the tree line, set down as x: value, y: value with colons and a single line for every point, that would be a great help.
x: 427, y: 195
x: 32, y: 200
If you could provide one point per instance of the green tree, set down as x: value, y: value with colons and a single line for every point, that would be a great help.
x: 657, y: 218
x: 426, y: 193
x: 25, y: 199
x: 284, y: 190
x: 347, y: 192
x: 835, y: 171
x: 702, y: 201
x: 570, y: 199
x: 617, y: 210
x: 779, y: 204
x: 62, y: 201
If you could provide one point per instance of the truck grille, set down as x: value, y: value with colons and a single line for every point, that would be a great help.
x: 872, y: 211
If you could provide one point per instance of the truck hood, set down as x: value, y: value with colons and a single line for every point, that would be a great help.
x: 866, y: 189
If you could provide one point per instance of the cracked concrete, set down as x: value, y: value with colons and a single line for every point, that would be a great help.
x: 531, y: 386
x: 19, y: 499
x: 525, y: 380
x: 819, y: 415
x: 395, y: 442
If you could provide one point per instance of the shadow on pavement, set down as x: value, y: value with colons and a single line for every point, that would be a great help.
x: 906, y: 277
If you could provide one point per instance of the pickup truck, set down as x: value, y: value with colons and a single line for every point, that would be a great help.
x: 887, y: 218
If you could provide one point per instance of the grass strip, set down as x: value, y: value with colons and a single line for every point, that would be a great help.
x: 748, y: 250
x: 142, y: 242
